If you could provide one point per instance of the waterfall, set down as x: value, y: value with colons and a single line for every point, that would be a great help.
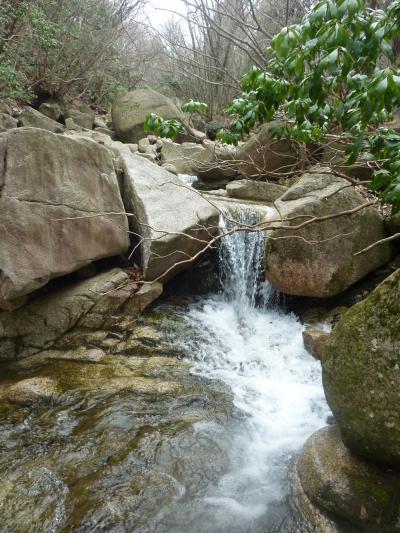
x: 257, y: 351
x: 241, y: 259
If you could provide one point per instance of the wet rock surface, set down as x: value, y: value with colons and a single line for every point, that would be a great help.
x: 77, y: 315
x: 129, y: 432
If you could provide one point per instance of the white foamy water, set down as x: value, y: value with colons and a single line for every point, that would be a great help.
x: 258, y: 352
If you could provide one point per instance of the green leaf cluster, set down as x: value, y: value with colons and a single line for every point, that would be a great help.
x: 194, y: 107
x: 161, y: 127
x: 334, y: 72
x: 171, y: 128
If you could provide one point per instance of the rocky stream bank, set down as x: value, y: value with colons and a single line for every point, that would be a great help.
x: 146, y: 386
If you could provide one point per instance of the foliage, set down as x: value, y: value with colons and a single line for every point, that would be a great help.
x: 14, y: 81
x: 194, y: 107
x: 334, y: 72
x: 171, y: 128
x: 212, y: 129
x: 58, y: 47
x: 163, y: 128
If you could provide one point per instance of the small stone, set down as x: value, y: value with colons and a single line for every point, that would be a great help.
x: 32, y: 391
x: 143, y: 144
x: 314, y: 340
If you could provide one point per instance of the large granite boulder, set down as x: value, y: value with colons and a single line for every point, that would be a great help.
x: 356, y: 492
x: 129, y: 112
x: 34, y: 119
x: 84, y: 306
x: 174, y: 223
x: 361, y: 374
x: 319, y: 258
x: 255, y: 190
x: 59, y: 209
x: 184, y: 157
x: 262, y: 155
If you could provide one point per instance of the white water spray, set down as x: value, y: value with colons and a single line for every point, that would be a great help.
x: 256, y: 350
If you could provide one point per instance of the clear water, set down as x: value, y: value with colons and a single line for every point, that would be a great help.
x: 120, y: 453
x: 250, y: 345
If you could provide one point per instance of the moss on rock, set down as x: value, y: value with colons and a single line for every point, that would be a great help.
x: 361, y: 374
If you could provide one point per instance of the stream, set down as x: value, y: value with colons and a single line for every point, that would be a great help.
x: 201, y: 447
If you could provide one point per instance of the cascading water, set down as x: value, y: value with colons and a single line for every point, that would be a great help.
x: 256, y: 350
x: 143, y: 442
x: 240, y: 256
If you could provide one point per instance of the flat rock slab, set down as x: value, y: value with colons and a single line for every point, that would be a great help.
x: 255, y: 190
x: 88, y: 304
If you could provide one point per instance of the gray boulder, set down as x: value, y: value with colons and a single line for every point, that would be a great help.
x: 34, y: 119
x: 5, y: 108
x: 185, y: 157
x: 361, y: 374
x: 7, y: 122
x: 217, y: 161
x: 175, y: 223
x: 84, y: 120
x: 261, y: 155
x: 255, y: 190
x: 55, y: 193
x: 355, y: 492
x: 319, y: 259
x: 52, y: 109
x: 130, y: 110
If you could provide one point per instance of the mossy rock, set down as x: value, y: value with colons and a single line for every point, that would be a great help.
x: 353, y: 491
x: 361, y: 374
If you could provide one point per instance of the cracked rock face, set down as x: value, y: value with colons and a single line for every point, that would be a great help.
x: 89, y: 308
x: 175, y: 223
x: 47, y: 181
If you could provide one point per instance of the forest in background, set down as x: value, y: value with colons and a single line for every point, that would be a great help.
x: 97, y: 49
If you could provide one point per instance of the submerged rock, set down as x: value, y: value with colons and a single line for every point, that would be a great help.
x: 129, y: 432
x: 32, y: 391
x: 318, y: 259
x: 361, y: 374
x: 355, y: 492
x: 58, y: 199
